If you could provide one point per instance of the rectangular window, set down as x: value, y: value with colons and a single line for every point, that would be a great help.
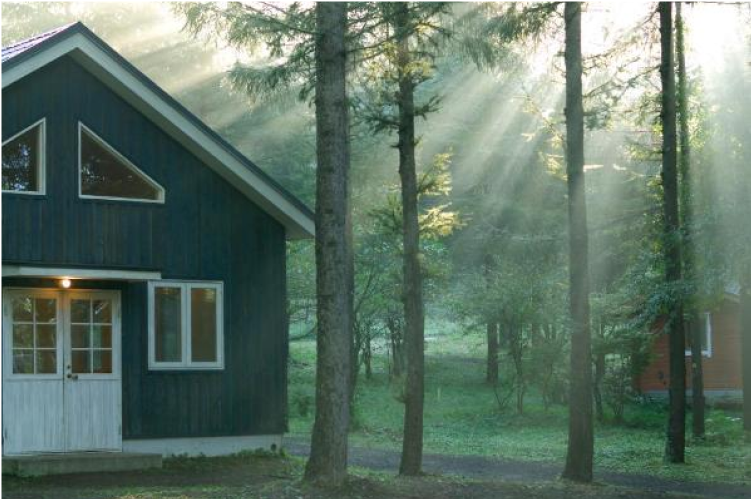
x: 185, y: 325
x: 23, y: 160
x: 706, y: 336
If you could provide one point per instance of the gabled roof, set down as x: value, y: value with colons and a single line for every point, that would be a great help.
x: 12, y: 50
x: 77, y: 41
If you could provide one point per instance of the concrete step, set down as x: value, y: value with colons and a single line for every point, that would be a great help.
x: 78, y: 462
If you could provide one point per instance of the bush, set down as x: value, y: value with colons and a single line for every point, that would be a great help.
x: 302, y: 403
x: 647, y: 414
x: 723, y: 430
x: 617, y: 385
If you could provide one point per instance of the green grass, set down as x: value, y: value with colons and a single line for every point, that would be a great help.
x: 462, y: 418
x: 252, y: 476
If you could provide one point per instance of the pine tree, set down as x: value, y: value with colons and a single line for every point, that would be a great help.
x: 414, y: 317
x: 693, y: 325
x: 405, y: 60
x: 328, y: 450
x: 580, y: 453
x: 676, y: 432
x: 745, y: 329
x: 312, y: 41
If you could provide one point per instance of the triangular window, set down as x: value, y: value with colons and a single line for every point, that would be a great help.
x: 105, y: 173
x: 23, y: 161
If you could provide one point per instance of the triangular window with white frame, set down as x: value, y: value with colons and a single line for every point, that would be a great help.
x: 106, y: 174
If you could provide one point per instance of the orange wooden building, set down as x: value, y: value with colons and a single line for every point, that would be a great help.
x: 721, y: 347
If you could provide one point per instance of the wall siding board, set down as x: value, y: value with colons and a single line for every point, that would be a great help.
x: 722, y: 371
x: 206, y: 230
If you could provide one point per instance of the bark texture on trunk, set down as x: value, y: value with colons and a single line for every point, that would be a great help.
x: 491, y: 373
x: 676, y: 433
x: 411, y: 461
x: 599, y: 377
x: 328, y: 453
x: 580, y: 452
x: 693, y: 325
x: 745, y: 307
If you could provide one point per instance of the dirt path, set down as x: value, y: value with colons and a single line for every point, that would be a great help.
x: 521, y: 471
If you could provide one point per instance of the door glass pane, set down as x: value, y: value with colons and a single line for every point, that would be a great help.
x: 79, y: 336
x: 22, y: 308
x: 102, y: 361
x: 203, y: 324
x: 80, y: 311
x: 102, y: 336
x: 34, y: 337
x: 23, y: 361
x: 45, y: 310
x: 46, y: 361
x: 80, y: 361
x: 23, y: 336
x: 102, y: 311
x: 167, y: 324
x: 21, y: 162
x: 46, y: 336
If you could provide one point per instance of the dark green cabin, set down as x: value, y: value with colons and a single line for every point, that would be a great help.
x: 144, y: 301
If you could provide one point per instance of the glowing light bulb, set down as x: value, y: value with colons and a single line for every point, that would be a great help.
x: 65, y: 283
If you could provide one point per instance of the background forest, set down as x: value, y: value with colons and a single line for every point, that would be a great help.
x: 493, y: 216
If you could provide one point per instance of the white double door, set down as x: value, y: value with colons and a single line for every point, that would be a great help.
x: 62, y: 387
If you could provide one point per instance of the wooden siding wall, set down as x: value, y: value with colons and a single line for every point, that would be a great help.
x: 722, y: 371
x: 206, y: 230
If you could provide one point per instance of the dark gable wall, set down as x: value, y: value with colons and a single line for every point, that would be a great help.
x: 206, y: 230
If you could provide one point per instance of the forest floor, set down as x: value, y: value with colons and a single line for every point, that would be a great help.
x: 268, y: 477
x: 462, y: 418
x: 487, y: 468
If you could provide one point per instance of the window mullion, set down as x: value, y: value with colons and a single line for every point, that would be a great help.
x: 186, y: 325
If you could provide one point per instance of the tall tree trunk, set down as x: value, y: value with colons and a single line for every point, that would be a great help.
x: 334, y: 287
x: 414, y: 322
x: 676, y: 433
x: 599, y: 377
x: 693, y: 326
x: 745, y: 329
x: 491, y: 374
x: 580, y: 433
x: 368, y: 354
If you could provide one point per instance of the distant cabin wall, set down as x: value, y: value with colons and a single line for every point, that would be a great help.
x: 206, y: 230
x: 722, y: 371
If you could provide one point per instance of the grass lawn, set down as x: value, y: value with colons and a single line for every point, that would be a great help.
x: 268, y: 477
x: 462, y: 417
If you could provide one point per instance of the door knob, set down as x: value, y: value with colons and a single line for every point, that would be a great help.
x: 72, y: 376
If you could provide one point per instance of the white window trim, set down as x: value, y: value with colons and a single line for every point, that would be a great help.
x: 42, y: 166
x: 128, y: 163
x: 706, y: 352
x: 186, y: 363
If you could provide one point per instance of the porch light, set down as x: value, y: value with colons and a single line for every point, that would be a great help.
x: 65, y: 283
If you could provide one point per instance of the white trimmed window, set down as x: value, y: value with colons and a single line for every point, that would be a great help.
x: 706, y: 336
x: 23, y: 160
x: 104, y: 173
x: 186, y: 325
